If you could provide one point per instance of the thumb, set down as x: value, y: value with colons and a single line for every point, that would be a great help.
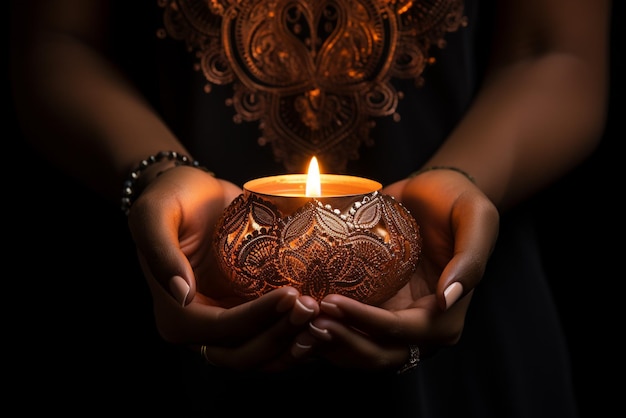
x: 154, y: 229
x: 174, y: 275
x: 476, y: 228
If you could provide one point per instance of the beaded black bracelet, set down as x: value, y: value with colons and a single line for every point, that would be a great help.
x: 128, y: 192
x: 443, y: 167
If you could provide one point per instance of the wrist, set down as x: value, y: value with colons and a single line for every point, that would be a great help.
x: 443, y: 167
x: 149, y: 169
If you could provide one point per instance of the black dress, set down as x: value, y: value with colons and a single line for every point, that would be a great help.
x: 511, y: 361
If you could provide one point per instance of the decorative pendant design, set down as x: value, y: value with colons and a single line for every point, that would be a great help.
x: 313, y: 74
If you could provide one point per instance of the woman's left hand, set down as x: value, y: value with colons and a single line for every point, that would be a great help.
x: 459, y: 227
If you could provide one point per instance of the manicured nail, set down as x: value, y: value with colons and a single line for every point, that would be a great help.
x: 320, y: 332
x: 331, y: 309
x: 300, y: 314
x: 299, y: 350
x: 452, y: 294
x: 286, y: 302
x: 179, y: 288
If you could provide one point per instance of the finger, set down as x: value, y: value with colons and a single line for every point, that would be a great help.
x: 347, y: 347
x: 181, y: 284
x: 268, y: 350
x: 424, y: 321
x: 303, y: 347
x: 254, y: 316
x: 368, y: 319
x: 155, y: 233
x: 204, y: 323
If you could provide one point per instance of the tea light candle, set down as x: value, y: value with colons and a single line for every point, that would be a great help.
x: 291, y: 191
x: 294, y: 185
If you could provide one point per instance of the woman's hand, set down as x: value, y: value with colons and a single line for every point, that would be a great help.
x: 459, y: 227
x: 172, y: 224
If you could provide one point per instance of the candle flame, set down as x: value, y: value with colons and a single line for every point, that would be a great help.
x: 313, y: 183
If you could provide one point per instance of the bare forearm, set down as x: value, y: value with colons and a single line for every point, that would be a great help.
x: 542, y: 108
x: 531, y: 124
x: 81, y: 114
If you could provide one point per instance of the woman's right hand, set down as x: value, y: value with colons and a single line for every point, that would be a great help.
x: 172, y: 225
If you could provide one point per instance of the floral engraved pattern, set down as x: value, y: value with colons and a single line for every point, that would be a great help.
x: 313, y: 74
x: 367, y: 251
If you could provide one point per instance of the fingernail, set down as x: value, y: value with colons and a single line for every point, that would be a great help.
x: 299, y: 350
x: 300, y: 314
x: 286, y: 302
x: 179, y: 288
x: 452, y: 294
x: 331, y: 308
x: 320, y: 332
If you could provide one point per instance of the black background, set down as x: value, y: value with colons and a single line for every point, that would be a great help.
x: 581, y: 229
x: 582, y: 235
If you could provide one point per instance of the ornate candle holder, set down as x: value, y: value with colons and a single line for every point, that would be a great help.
x: 352, y: 240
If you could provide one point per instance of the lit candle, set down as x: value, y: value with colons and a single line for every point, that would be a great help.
x: 313, y: 184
